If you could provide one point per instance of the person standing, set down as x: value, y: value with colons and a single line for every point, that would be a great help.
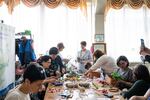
x: 84, y: 56
x: 60, y: 47
x: 102, y: 62
x: 26, y: 52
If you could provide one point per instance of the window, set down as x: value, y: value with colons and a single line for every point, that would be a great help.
x: 123, y: 30
x: 50, y: 26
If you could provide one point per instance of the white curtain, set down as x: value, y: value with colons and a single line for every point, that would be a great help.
x: 50, y: 26
x: 124, y: 28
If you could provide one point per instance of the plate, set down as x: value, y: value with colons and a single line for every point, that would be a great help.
x: 114, y: 90
x: 58, y: 83
x: 71, y: 85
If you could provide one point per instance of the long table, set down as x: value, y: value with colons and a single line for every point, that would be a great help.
x: 52, y: 92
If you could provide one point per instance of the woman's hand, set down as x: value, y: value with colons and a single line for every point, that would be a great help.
x: 90, y: 75
x: 144, y: 51
x: 89, y: 71
x: 63, y: 70
x: 58, y: 74
x: 43, y: 88
x: 50, y: 80
x: 52, y: 77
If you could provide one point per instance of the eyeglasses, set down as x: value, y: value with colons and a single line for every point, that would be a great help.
x: 122, y: 63
x: 48, y: 62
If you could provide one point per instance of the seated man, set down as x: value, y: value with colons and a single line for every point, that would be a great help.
x: 32, y: 81
x: 56, y: 68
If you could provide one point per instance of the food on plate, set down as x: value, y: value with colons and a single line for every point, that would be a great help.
x: 54, y: 90
x: 85, y: 85
x: 103, y: 82
x: 113, y: 89
x: 71, y: 85
x: 72, y: 74
x: 82, y: 89
x: 71, y: 78
x: 103, y: 91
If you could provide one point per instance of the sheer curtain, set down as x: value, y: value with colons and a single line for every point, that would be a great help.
x: 124, y: 28
x: 50, y: 26
x: 68, y: 26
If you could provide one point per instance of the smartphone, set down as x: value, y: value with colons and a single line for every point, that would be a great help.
x: 108, y: 95
x: 142, y: 43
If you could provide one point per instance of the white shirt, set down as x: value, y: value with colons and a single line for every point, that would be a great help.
x: 16, y: 94
x: 106, y: 63
x: 60, y: 56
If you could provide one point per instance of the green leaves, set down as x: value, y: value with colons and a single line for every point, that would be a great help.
x: 116, y: 76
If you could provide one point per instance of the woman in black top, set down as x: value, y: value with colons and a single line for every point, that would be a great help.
x: 139, y: 88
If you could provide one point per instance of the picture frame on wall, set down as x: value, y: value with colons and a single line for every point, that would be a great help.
x: 99, y: 37
x: 100, y: 46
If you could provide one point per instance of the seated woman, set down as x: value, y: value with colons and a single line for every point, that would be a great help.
x: 45, y: 62
x: 139, y: 88
x: 145, y: 97
x: 125, y: 72
x: 106, y: 63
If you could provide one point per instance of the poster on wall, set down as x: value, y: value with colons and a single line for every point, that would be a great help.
x: 100, y: 46
x: 7, y: 58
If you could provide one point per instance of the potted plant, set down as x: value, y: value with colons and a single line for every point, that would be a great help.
x: 113, y: 78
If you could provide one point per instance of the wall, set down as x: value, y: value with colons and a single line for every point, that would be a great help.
x: 99, y: 24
